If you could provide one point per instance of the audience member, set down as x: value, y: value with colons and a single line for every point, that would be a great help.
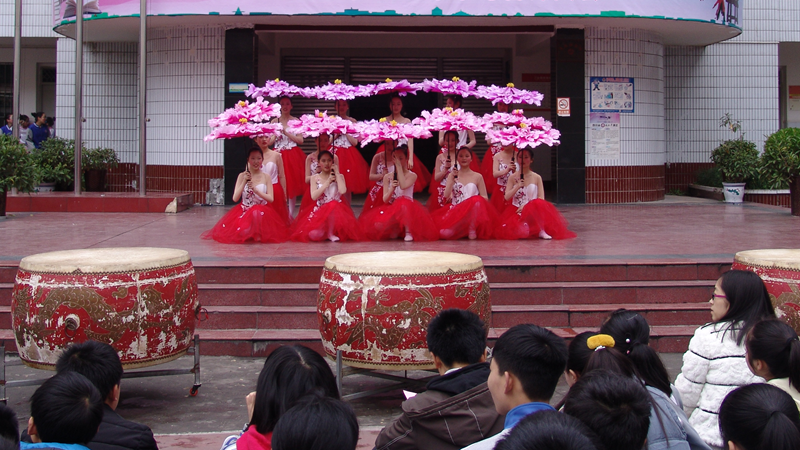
x: 66, y: 411
x: 50, y: 122
x: 715, y: 363
x: 457, y: 399
x: 614, y: 406
x: 550, y: 430
x: 773, y: 353
x: 289, y: 373
x: 37, y: 131
x: 317, y: 422
x: 8, y: 125
x: 24, y: 123
x: 759, y: 417
x: 526, y: 364
x: 9, y: 427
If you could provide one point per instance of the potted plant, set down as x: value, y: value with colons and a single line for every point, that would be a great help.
x: 781, y: 162
x: 95, y: 163
x: 56, y: 163
x: 17, y: 169
x: 737, y: 160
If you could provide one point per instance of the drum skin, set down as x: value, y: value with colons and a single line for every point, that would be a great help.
x: 780, y: 271
x: 145, y: 309
x: 378, y: 315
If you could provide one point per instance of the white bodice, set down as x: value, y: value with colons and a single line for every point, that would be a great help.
x: 526, y: 194
x: 381, y: 169
x: 503, y: 180
x: 443, y: 168
x: 271, y: 169
x: 407, y: 192
x: 249, y: 198
x: 284, y: 143
x: 462, y: 192
x: 341, y: 141
x: 463, y: 138
x: 331, y: 193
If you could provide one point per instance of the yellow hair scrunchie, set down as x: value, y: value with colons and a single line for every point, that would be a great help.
x: 600, y: 340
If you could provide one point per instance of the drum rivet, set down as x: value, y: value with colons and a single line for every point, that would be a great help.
x: 71, y: 324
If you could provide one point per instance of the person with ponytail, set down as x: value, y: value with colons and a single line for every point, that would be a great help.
x: 773, y: 353
x: 715, y: 363
x: 759, y: 417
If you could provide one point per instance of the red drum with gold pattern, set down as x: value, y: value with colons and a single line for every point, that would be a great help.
x: 780, y: 270
x: 375, y: 307
x: 142, y: 301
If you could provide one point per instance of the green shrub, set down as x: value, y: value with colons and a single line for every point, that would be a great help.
x: 781, y: 159
x: 709, y: 177
x: 56, y: 160
x: 17, y: 168
x: 99, y: 159
x: 737, y: 160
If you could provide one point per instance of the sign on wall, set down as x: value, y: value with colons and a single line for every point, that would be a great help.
x: 604, y: 135
x: 611, y: 94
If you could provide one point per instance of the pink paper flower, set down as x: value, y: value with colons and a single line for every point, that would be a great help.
x: 524, y: 136
x: 247, y: 129
x: 447, y: 119
x: 402, y: 87
x: 382, y: 130
x: 337, y: 91
x: 276, y: 89
x: 245, y: 119
x: 514, y: 118
x: 509, y: 95
x: 456, y: 86
x: 312, y: 125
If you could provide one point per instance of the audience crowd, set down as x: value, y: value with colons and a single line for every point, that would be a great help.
x: 737, y: 390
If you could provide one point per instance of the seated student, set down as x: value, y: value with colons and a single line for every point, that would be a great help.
x: 9, y: 428
x: 773, y: 353
x: 527, y: 362
x: 759, y: 416
x: 317, y: 422
x: 66, y: 411
x: 457, y: 399
x: 614, y: 406
x: 550, y: 430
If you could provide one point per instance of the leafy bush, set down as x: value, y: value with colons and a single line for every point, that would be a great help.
x: 99, y: 159
x: 17, y: 168
x: 781, y: 159
x: 710, y: 177
x: 737, y: 160
x: 56, y: 160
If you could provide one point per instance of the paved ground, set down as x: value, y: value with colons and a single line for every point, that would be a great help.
x: 181, y: 421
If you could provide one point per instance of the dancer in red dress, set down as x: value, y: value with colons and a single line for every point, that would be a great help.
x: 529, y: 214
x: 487, y: 165
x: 466, y: 138
x: 376, y: 173
x: 444, y: 164
x: 273, y: 167
x: 293, y: 157
x: 329, y: 218
x: 354, y: 167
x: 323, y: 142
x: 470, y: 213
x: 504, y: 166
x: 400, y: 214
x: 414, y: 163
x: 252, y: 220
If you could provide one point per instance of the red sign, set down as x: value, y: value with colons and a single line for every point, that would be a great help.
x: 562, y: 106
x: 536, y: 77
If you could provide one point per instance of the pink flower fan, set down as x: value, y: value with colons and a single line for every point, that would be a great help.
x: 337, y: 91
x: 276, y: 89
x: 509, y: 95
x: 456, y: 86
x: 447, y: 119
x: 245, y: 119
x: 402, y: 87
x: 514, y: 118
x: 245, y: 129
x: 382, y: 130
x: 312, y: 125
x: 524, y: 136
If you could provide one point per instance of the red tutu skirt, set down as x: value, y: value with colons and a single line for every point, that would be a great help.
x: 308, y: 202
x: 294, y: 168
x: 331, y: 218
x: 354, y: 169
x: 423, y: 175
x: 391, y: 221
x: 498, y: 199
x: 437, y: 201
x: 279, y: 204
x: 537, y: 215
x: 473, y: 214
x: 260, y: 223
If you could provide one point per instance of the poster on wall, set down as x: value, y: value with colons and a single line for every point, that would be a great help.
x: 604, y: 135
x: 611, y: 94
x: 793, y: 106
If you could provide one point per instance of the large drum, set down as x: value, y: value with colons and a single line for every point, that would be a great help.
x: 780, y: 270
x: 142, y: 301
x: 375, y: 307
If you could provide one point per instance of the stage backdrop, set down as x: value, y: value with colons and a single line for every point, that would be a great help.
x: 700, y: 10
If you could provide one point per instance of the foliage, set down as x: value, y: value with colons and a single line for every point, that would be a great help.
x: 56, y: 160
x: 737, y: 160
x: 710, y: 177
x: 781, y: 159
x: 99, y: 159
x: 17, y: 168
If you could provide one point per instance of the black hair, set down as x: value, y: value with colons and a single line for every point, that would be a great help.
x: 289, y: 373
x: 458, y: 151
x: 535, y: 355
x: 36, y: 115
x: 285, y: 97
x: 7, y: 116
x: 96, y: 361
x: 614, y: 406
x: 776, y: 343
x: 579, y: 353
x: 760, y: 417
x: 402, y: 149
x: 254, y: 149
x: 456, y: 99
x: 67, y: 409
x: 322, y: 153
x: 457, y: 336
x: 748, y: 299
x: 631, y: 333
x: 527, y: 150
x: 9, y: 426
x: 549, y: 430
x: 453, y: 132
x: 23, y: 117
x: 50, y: 121
x: 7, y: 444
x: 395, y: 95
x: 317, y: 422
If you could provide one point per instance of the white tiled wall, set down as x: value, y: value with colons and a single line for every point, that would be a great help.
x: 37, y: 18
x: 639, y: 54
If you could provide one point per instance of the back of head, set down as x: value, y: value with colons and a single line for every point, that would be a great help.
x: 760, y: 417
x: 9, y: 427
x: 549, y: 430
x: 631, y: 334
x: 317, y: 422
x: 615, y: 407
x: 748, y: 301
x: 535, y: 355
x: 67, y: 409
x: 457, y: 336
x: 776, y: 343
x: 94, y: 360
x: 289, y: 373
x: 579, y: 352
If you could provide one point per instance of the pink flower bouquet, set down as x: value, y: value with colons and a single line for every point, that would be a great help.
x: 382, y: 130
x: 509, y: 95
x: 245, y: 119
x: 276, y: 89
x: 312, y: 125
x: 447, y: 119
x: 456, y: 86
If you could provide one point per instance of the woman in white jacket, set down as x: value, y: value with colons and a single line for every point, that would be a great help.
x: 715, y: 363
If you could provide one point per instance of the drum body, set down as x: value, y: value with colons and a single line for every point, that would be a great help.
x: 141, y: 301
x: 780, y: 270
x: 375, y: 307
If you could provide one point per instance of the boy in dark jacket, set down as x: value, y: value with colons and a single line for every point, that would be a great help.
x: 457, y: 408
